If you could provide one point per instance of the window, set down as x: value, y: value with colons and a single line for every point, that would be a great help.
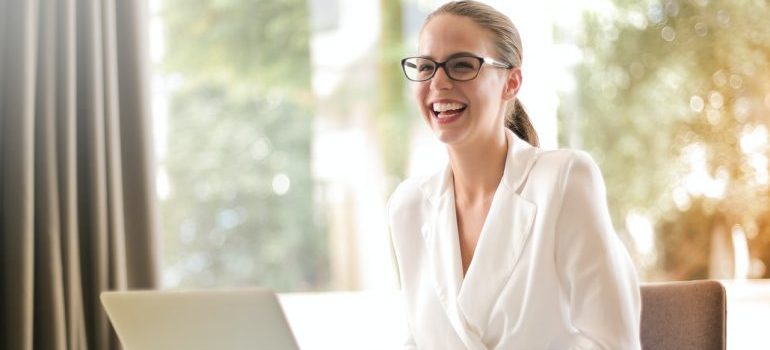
x: 239, y: 202
x: 284, y: 125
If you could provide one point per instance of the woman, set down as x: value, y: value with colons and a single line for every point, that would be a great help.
x: 508, y: 247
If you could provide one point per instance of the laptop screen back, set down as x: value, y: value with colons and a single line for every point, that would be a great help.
x: 199, y: 320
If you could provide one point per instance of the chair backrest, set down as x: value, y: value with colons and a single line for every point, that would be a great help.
x: 683, y: 315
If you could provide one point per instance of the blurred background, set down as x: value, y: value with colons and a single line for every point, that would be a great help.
x: 282, y: 127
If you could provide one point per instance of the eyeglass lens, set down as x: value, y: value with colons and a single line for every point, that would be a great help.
x: 458, y: 68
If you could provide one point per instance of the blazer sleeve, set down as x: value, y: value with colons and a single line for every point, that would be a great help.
x: 596, y: 275
x: 409, y: 343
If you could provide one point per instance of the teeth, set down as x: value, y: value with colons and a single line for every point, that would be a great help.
x: 443, y: 107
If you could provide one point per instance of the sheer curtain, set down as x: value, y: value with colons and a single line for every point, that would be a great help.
x: 77, y: 211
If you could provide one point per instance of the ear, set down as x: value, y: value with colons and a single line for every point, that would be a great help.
x: 512, y: 84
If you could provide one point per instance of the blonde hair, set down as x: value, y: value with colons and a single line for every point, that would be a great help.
x: 508, y: 46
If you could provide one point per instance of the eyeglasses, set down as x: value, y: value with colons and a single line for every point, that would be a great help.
x: 459, y: 68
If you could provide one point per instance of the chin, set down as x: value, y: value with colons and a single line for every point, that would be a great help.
x: 449, y: 137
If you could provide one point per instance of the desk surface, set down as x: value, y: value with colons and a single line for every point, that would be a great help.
x: 375, y: 320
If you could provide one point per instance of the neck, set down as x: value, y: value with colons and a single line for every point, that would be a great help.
x: 478, y: 168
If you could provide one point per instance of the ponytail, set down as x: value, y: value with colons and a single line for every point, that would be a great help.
x: 517, y: 119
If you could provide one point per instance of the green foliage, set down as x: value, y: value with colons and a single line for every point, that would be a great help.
x: 392, y: 120
x: 240, y: 41
x: 239, y: 126
x: 660, y: 77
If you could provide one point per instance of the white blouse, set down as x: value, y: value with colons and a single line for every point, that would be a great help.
x: 548, y: 271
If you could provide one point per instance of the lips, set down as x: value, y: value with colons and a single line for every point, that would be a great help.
x: 446, y: 111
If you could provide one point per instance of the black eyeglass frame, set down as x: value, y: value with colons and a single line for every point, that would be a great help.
x: 482, y: 61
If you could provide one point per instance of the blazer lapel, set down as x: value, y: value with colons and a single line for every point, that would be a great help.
x: 509, y: 222
x: 443, y: 250
x: 503, y: 237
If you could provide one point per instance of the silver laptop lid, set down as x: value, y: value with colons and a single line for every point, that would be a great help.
x: 199, y: 320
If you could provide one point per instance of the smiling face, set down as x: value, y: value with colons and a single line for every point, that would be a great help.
x: 463, y: 113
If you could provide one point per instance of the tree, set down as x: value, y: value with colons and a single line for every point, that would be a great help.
x: 671, y: 96
x: 392, y: 120
x: 240, y: 210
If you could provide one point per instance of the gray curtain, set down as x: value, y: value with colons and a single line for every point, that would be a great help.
x: 77, y: 212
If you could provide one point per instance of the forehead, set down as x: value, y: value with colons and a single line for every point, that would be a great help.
x: 447, y: 34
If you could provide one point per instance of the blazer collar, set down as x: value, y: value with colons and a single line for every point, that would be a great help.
x: 506, y: 229
x: 518, y: 162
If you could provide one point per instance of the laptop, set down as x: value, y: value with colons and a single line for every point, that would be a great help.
x: 199, y: 320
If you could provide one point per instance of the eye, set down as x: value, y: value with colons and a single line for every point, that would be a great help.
x: 427, y: 67
x: 463, y: 65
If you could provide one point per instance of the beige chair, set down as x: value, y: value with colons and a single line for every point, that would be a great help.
x: 683, y: 315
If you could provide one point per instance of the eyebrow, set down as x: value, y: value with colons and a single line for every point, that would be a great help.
x: 456, y: 54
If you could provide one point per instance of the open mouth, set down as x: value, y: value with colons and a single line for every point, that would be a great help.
x: 447, y: 110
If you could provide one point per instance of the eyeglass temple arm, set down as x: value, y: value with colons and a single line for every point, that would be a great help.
x: 494, y: 62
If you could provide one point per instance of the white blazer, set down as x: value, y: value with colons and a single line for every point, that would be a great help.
x: 548, y: 271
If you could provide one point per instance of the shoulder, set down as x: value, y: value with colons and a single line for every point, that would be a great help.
x: 406, y: 215
x: 583, y: 171
x: 565, y: 158
x: 566, y: 165
x: 408, y: 195
x: 406, y: 192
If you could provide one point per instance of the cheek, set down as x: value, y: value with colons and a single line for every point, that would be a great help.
x: 488, y: 95
x: 419, y: 93
x: 485, y: 107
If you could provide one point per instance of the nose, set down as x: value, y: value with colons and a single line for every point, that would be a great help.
x: 440, y: 80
